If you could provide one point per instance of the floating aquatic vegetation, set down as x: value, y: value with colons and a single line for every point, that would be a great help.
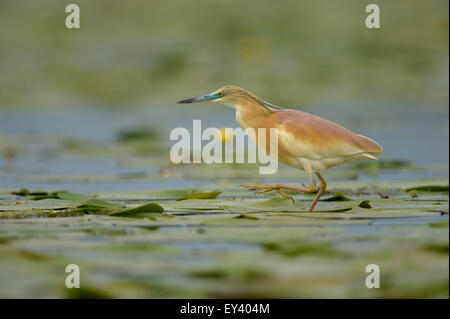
x: 247, y: 216
x: 145, y: 211
x: 137, y: 134
x: 440, y: 248
x: 235, y: 274
x: 365, y: 204
x: 162, y: 247
x: 337, y: 197
x: 87, y: 293
x: 73, y: 196
x: 96, y: 206
x: 298, y: 248
x: 429, y: 188
x: 443, y: 224
x: 204, y: 195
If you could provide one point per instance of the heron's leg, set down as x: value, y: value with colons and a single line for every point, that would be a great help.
x: 308, y: 170
x: 323, y: 186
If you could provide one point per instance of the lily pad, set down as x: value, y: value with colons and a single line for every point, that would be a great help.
x: 205, y: 195
x: 297, y: 248
x: 429, y: 188
x: 278, y: 204
x: 73, y: 196
x: 193, y: 205
x: 40, y: 197
x: 26, y: 192
x: 147, y: 210
x: 42, y: 204
x: 146, y: 195
x: 365, y: 204
x: 93, y: 206
x: 102, y: 203
x: 247, y: 216
x: 443, y: 224
x: 338, y: 197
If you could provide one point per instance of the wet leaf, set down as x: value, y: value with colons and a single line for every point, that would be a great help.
x: 137, y: 133
x: 365, y: 204
x: 211, y: 241
x: 22, y: 192
x: 87, y: 293
x: 443, y: 224
x: 102, y: 204
x: 150, y: 228
x: 73, y: 196
x: 247, y: 216
x: 429, y: 188
x: 89, y: 209
x: 205, y: 195
x: 41, y: 204
x: 237, y: 273
x: 193, y: 205
x: 93, y: 206
x: 440, y: 248
x: 39, y: 197
x: 147, y: 210
x: 297, y: 248
x: 338, y: 197
x: 277, y: 204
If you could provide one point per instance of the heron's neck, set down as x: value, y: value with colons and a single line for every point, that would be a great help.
x: 249, y: 114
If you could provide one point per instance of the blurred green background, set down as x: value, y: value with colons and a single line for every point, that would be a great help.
x: 90, y: 110
x: 291, y: 53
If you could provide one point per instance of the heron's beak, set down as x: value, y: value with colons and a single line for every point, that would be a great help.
x: 203, y: 98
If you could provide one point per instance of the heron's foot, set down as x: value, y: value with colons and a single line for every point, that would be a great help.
x: 309, y: 189
x: 261, y: 189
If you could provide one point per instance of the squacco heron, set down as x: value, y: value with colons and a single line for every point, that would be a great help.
x: 305, y: 141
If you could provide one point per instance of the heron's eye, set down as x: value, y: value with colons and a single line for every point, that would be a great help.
x: 220, y: 94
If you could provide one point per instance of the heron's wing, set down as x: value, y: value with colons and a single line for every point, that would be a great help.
x: 313, y: 137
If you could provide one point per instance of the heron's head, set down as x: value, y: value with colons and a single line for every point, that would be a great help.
x: 229, y: 95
